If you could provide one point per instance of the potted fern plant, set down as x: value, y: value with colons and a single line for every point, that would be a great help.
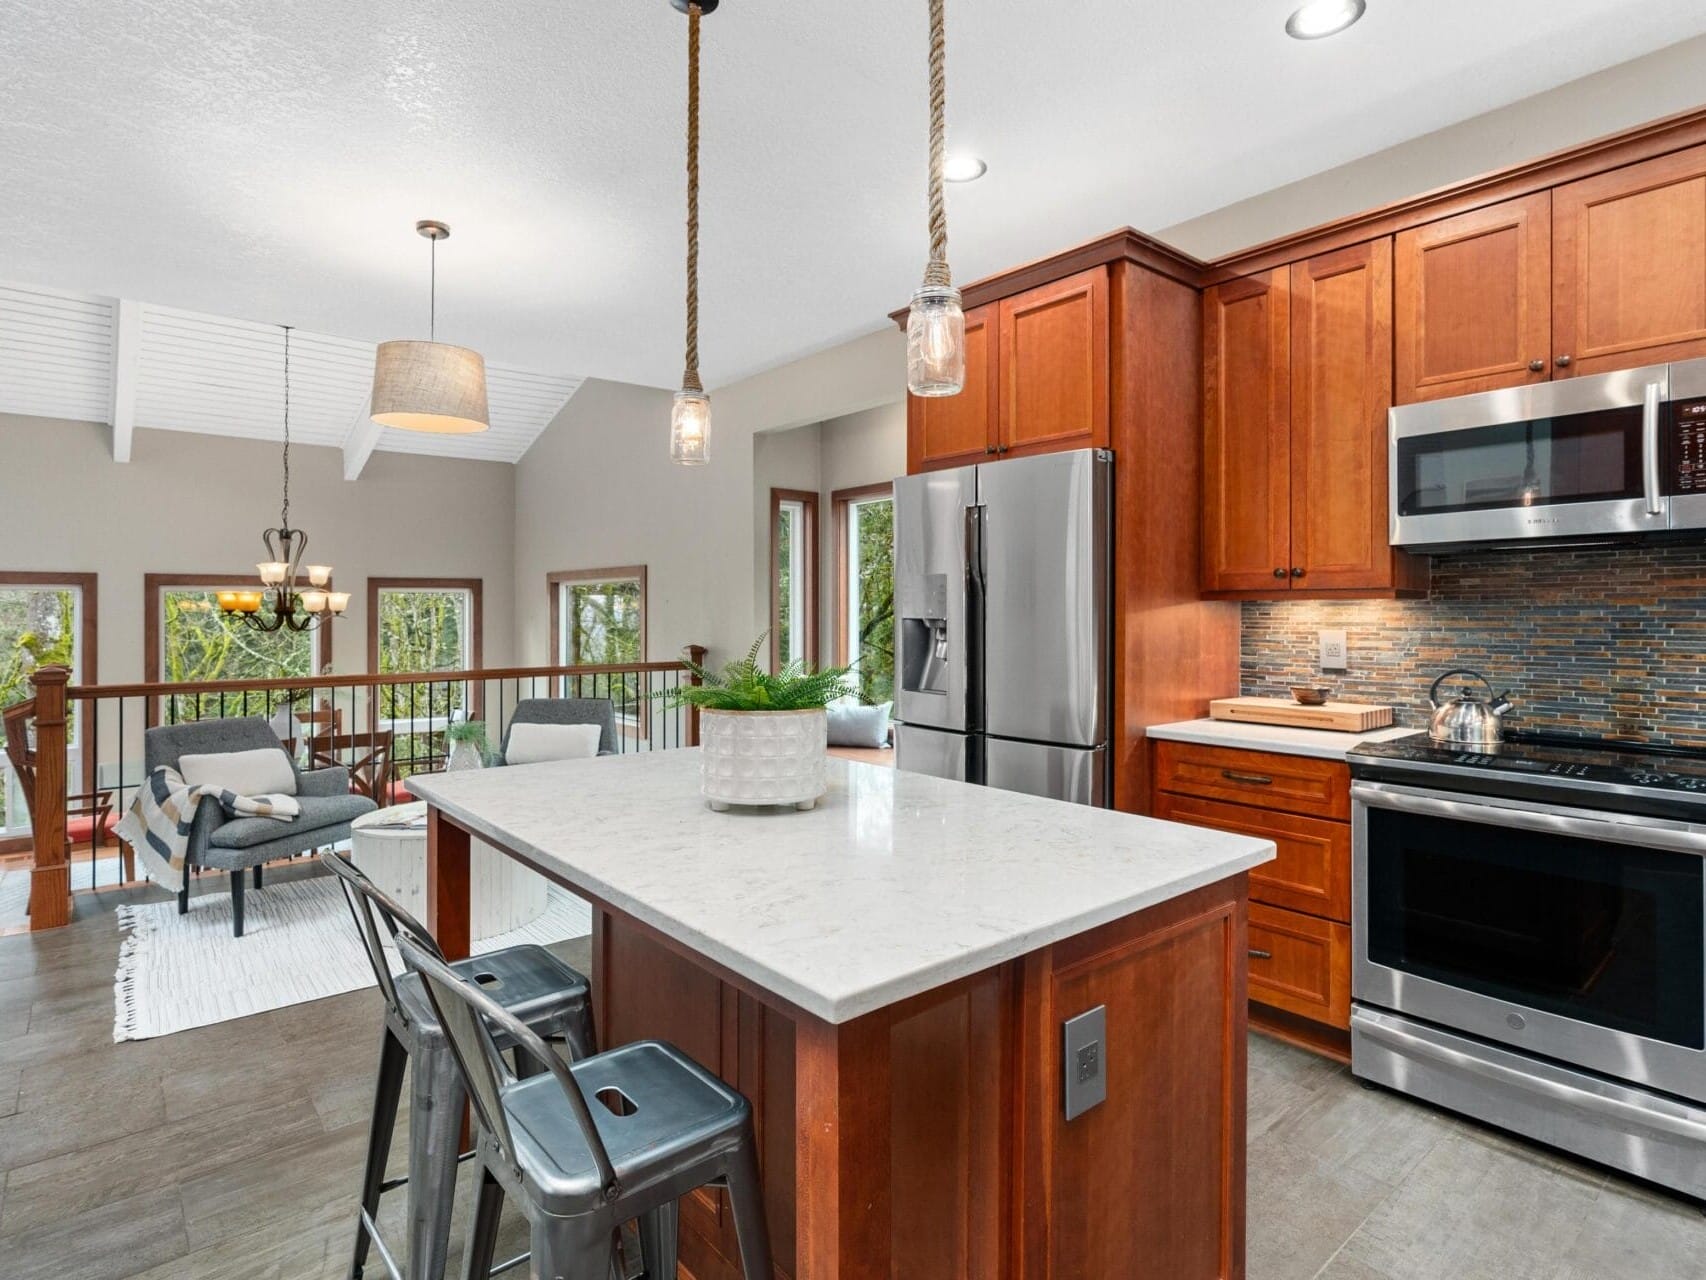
x: 467, y: 745
x: 765, y: 735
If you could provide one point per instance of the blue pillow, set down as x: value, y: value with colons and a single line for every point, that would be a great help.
x: 851, y: 725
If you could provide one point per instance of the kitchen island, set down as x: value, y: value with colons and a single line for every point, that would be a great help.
x: 887, y: 978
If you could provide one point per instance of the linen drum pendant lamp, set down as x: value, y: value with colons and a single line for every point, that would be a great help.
x: 430, y: 386
x: 690, y: 416
x: 936, y: 325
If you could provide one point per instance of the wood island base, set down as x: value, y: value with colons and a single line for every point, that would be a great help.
x: 927, y: 1140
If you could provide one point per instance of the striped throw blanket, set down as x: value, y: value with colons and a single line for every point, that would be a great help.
x: 158, y: 824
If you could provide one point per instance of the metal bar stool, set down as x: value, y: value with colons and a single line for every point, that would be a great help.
x: 623, y: 1134
x: 530, y: 984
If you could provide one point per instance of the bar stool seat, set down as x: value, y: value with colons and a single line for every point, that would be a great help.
x: 614, y: 1137
x: 549, y: 999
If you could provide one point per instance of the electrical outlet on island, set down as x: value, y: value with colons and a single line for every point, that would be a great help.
x: 1334, y: 651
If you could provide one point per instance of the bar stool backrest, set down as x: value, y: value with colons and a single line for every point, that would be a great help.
x: 467, y: 1015
x: 365, y: 900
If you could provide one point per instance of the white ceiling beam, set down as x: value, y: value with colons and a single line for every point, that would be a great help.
x: 127, y: 366
x: 360, y: 442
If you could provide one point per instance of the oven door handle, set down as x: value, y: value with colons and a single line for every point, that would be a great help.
x: 1650, y: 474
x: 1624, y: 1112
x: 1648, y: 833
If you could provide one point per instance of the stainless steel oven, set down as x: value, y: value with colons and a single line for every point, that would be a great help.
x: 1539, y: 965
x: 1612, y: 456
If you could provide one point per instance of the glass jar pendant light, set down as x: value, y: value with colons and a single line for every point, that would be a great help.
x: 936, y: 325
x: 690, y: 415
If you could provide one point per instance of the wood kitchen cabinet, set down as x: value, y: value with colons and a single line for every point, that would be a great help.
x: 1298, y: 380
x: 1473, y: 301
x: 1037, y: 379
x: 1300, y: 903
x: 1629, y: 266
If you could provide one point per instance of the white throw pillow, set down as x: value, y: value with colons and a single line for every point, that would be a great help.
x: 265, y: 771
x: 851, y: 725
x: 535, y: 743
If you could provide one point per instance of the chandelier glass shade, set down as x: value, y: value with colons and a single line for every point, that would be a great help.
x: 297, y: 593
x: 430, y: 386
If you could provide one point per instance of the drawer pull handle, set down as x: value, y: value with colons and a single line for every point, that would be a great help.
x: 1256, y: 953
x: 1254, y: 779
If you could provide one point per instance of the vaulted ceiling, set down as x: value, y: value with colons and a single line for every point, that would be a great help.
x: 268, y: 162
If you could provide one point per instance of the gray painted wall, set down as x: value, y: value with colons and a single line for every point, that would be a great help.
x: 189, y: 503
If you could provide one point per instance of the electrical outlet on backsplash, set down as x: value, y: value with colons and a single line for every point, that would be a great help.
x: 1608, y: 640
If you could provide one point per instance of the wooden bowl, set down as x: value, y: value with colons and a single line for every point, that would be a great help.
x: 1310, y: 695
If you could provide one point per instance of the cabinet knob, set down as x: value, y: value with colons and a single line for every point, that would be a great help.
x: 1279, y: 573
x: 1001, y: 448
x: 1296, y: 572
x: 1535, y: 366
x: 1563, y: 362
x: 989, y: 448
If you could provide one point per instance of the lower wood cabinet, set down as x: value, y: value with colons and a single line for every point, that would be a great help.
x: 1300, y: 903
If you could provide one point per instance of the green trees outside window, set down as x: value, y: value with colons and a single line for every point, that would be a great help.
x: 38, y: 628
x: 870, y: 603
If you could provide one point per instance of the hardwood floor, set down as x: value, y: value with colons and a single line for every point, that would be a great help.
x: 233, y: 1152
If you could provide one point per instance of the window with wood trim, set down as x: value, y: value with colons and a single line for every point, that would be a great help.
x: 186, y: 639
x: 46, y: 619
x: 598, y: 618
x: 424, y: 625
x: 864, y: 602
x: 793, y: 578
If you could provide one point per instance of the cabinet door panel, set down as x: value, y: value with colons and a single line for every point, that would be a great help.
x: 950, y: 431
x: 1054, y: 366
x: 1341, y: 368
x: 1630, y: 272
x: 1247, y: 434
x: 1301, y: 964
x: 1474, y: 301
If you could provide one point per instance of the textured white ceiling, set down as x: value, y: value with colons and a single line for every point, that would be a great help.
x: 269, y: 160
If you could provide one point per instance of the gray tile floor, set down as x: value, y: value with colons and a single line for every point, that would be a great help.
x: 232, y: 1152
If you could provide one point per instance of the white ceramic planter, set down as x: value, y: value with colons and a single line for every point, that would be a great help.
x: 463, y: 756
x: 763, y: 757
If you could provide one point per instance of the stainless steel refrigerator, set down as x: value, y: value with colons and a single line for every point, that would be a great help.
x: 1004, y: 633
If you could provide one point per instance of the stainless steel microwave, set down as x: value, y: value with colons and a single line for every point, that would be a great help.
x: 1605, y: 458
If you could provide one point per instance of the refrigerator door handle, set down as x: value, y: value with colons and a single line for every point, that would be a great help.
x: 975, y: 584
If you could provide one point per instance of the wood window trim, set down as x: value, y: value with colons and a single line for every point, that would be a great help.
x: 807, y: 500
x: 476, y: 623
x: 154, y: 583
x: 557, y: 579
x: 841, y: 504
x: 88, y: 646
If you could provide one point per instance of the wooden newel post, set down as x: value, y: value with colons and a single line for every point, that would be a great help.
x: 696, y: 655
x: 50, y: 882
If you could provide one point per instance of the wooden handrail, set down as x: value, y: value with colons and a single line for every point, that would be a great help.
x: 368, y: 680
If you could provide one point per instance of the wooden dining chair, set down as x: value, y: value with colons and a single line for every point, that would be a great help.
x: 367, y: 756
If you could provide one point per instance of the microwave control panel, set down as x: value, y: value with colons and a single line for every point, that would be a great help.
x: 1688, y: 447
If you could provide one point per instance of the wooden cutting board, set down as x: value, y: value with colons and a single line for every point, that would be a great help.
x: 1346, y: 717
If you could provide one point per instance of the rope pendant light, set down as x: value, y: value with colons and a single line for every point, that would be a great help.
x: 430, y: 386
x: 936, y: 325
x: 690, y: 416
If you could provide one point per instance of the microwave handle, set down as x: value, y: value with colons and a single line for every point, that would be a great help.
x: 1650, y: 449
x: 1648, y: 833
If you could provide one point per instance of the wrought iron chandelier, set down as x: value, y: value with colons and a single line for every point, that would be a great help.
x: 294, y: 608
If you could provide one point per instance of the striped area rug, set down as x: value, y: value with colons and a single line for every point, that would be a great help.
x: 299, y: 943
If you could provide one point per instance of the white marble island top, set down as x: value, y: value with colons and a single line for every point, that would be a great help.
x: 895, y: 884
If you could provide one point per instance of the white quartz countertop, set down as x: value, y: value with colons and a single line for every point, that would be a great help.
x: 895, y: 884
x: 1327, y: 744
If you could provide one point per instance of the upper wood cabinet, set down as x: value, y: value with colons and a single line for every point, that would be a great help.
x: 1036, y: 379
x: 950, y: 431
x: 1474, y: 301
x: 1054, y: 366
x: 1247, y: 434
x: 1298, y: 377
x: 1629, y: 248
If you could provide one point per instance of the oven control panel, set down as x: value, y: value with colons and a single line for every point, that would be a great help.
x: 1688, y: 447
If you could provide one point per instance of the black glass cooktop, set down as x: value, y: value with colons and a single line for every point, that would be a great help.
x: 1551, y: 759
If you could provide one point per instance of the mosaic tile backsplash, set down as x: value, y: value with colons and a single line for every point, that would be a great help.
x: 1609, y: 641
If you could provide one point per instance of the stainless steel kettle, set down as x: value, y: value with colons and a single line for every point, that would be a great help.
x: 1467, y: 720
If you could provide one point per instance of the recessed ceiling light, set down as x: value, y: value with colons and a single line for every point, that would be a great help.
x: 1323, y: 18
x: 963, y: 168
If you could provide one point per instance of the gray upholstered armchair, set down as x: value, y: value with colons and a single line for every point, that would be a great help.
x: 598, y: 711
x: 238, y: 844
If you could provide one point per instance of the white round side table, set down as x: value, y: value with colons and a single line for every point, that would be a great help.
x: 505, y: 895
